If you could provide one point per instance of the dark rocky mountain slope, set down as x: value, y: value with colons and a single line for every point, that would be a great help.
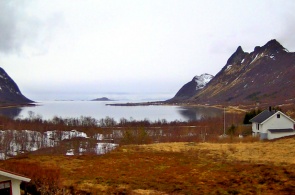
x: 9, y: 91
x: 191, y: 88
x: 266, y: 75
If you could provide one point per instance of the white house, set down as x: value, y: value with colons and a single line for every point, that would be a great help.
x: 271, y: 124
x: 10, y: 182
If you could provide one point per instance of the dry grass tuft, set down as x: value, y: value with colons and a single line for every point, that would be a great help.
x: 147, y: 192
x: 276, y: 152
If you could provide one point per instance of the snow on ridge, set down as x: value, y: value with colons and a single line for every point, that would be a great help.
x: 272, y: 57
x: 258, y: 56
x: 254, y: 59
x: 202, y: 80
x: 228, y: 67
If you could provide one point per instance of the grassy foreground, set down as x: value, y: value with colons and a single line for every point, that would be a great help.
x: 175, y: 168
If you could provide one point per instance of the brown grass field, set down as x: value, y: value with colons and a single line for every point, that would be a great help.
x: 258, y: 167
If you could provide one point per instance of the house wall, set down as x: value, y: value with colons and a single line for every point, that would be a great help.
x: 254, y: 127
x: 255, y: 130
x: 273, y: 123
x: 14, y: 183
x: 278, y: 135
x: 277, y: 123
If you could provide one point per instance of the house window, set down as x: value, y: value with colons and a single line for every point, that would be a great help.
x: 278, y: 116
x: 257, y: 126
x: 5, y: 188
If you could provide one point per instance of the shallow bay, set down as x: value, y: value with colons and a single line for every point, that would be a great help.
x: 99, y: 110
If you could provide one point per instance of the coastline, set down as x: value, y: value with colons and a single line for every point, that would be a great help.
x: 229, y: 108
x: 3, y: 106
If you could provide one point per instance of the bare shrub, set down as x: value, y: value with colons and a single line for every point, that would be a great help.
x: 44, y: 179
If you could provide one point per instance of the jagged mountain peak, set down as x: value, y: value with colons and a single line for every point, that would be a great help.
x: 261, y: 76
x: 273, y: 44
x: 237, y: 56
x: 240, y: 50
x: 271, y: 47
x: 264, y: 75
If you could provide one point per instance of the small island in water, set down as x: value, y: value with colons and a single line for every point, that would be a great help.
x: 102, y: 99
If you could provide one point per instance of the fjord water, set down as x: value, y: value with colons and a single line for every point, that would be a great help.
x: 99, y: 110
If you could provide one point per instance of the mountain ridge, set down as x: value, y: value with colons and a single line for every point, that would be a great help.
x: 264, y: 76
x: 191, y: 88
x: 10, y: 93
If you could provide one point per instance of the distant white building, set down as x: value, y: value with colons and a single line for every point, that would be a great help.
x: 10, y: 182
x: 271, y: 124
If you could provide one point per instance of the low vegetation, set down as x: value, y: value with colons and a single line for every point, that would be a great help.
x: 167, y: 168
x: 128, y: 127
x: 186, y: 158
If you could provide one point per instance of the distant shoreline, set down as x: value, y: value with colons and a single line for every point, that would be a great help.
x: 102, y: 99
x: 137, y: 104
x: 16, y: 105
x: 229, y: 108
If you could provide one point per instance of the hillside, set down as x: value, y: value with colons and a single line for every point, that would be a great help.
x: 9, y: 91
x: 265, y: 75
x: 192, y: 88
x: 167, y: 168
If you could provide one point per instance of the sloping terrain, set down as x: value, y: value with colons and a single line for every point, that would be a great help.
x: 170, y: 168
x: 265, y: 75
x: 192, y: 88
x: 9, y: 91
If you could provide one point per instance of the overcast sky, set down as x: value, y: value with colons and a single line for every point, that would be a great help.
x: 80, y: 49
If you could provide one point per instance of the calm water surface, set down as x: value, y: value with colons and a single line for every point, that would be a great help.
x: 98, y: 110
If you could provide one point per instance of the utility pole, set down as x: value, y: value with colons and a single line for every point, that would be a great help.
x: 224, y: 121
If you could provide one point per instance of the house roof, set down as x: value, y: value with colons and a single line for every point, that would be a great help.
x: 262, y: 116
x: 281, y: 130
x: 14, y: 175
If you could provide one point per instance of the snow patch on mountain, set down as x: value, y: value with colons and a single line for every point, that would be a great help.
x: 228, y: 67
x: 272, y: 57
x: 202, y: 80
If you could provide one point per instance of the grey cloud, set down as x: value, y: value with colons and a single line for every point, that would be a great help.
x: 8, y: 27
x: 18, y: 28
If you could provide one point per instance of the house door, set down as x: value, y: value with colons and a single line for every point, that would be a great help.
x: 5, y: 188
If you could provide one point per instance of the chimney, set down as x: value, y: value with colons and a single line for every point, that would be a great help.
x: 269, y: 108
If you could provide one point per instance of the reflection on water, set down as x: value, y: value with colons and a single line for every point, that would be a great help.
x: 11, y: 112
x: 99, y: 110
x: 197, y: 113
